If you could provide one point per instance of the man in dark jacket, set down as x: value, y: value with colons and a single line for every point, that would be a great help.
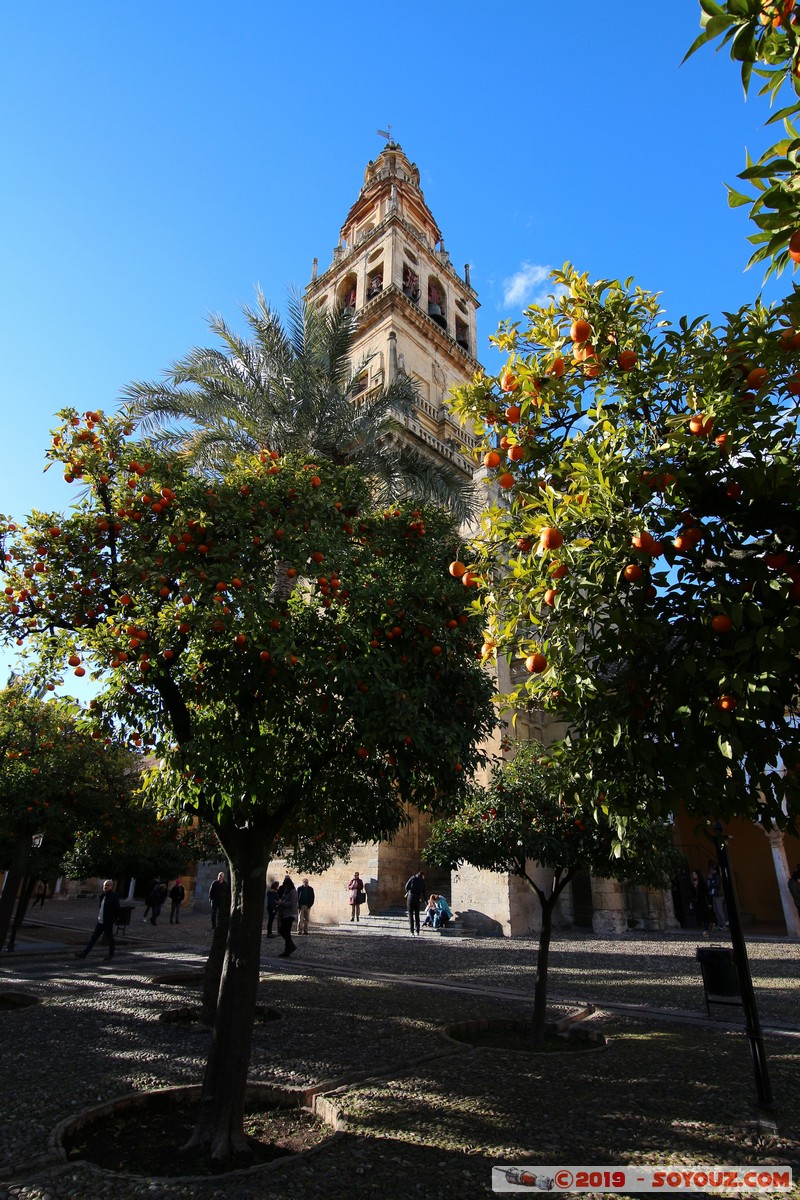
x: 305, y: 902
x: 219, y: 894
x: 415, y: 893
x: 107, y: 917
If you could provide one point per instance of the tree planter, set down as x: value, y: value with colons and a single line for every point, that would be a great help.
x: 9, y: 1001
x: 317, y: 1127
x: 514, y: 1033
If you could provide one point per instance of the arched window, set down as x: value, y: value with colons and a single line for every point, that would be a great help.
x: 410, y: 283
x: 436, y: 302
x: 375, y: 283
x: 346, y: 294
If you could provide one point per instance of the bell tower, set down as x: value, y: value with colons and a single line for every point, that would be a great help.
x: 416, y: 315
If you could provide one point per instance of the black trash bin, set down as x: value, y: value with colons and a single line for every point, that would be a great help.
x: 720, y: 978
x: 124, y: 917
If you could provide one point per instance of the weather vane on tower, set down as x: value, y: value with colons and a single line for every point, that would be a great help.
x: 385, y: 133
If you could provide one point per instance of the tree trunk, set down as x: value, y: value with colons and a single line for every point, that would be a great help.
x: 542, y: 962
x: 22, y: 907
x: 220, y: 1121
x: 214, y: 965
x: 14, y: 877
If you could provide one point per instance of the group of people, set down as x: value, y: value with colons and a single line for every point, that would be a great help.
x: 706, y: 901
x: 289, y: 904
x: 157, y: 897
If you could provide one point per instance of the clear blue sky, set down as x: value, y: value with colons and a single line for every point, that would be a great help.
x: 161, y: 159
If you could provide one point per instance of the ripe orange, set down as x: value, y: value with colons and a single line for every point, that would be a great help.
x: 627, y: 360
x: 508, y: 381
x: 550, y: 596
x: 557, y: 367
x: 535, y: 664
x: 506, y: 480
x: 698, y: 425
x: 581, y: 330
x: 726, y: 703
x: 491, y: 459
x: 513, y: 414
x: 633, y: 572
x: 794, y: 247
x: 721, y: 623
x: 758, y: 376
x: 515, y: 453
x: 457, y: 569
x: 551, y: 538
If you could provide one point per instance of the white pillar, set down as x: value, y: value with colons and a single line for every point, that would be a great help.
x: 610, y: 918
x: 782, y: 873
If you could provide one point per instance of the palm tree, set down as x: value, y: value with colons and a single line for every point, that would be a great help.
x: 295, y: 388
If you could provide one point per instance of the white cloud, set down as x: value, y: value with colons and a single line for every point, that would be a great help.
x: 523, y: 287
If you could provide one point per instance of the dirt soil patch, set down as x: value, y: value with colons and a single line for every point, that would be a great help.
x: 519, y: 1040
x: 147, y: 1139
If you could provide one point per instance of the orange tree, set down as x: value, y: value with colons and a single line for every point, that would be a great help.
x: 538, y: 810
x: 642, y: 566
x: 643, y: 561
x: 59, y: 782
x: 297, y: 665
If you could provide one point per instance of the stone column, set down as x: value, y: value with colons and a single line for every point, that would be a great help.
x: 609, y: 919
x: 782, y: 873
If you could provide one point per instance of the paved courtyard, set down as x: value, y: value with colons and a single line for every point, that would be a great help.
x: 362, y: 1014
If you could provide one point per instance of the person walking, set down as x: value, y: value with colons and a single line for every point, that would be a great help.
x: 355, y: 895
x: 287, y: 915
x: 272, y: 906
x: 219, y: 894
x: 41, y: 894
x: 156, y: 900
x: 177, y: 895
x: 305, y: 902
x: 107, y: 916
x: 415, y: 892
x: 149, y: 899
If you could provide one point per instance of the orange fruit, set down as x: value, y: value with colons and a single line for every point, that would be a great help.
x: 457, y: 569
x: 633, y: 572
x: 506, y: 480
x: 557, y: 367
x: 581, y: 330
x: 513, y: 414
x: 721, y: 623
x: 758, y: 376
x: 515, y: 453
x: 627, y: 360
x: 551, y: 538
x: 508, y: 381
x: 491, y: 459
x: 535, y: 664
x: 794, y: 247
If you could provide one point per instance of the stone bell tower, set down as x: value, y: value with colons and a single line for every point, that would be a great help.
x: 416, y: 315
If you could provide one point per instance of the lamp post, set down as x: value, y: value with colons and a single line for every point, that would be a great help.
x: 766, y: 1106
